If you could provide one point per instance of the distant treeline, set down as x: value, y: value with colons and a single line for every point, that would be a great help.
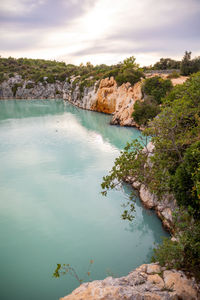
x: 186, y: 66
x: 39, y: 70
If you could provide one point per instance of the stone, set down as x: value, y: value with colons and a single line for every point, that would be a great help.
x: 138, y: 285
x: 136, y: 185
x: 148, y: 199
x: 167, y: 214
x: 180, y: 285
x: 153, y: 268
x: 156, y: 279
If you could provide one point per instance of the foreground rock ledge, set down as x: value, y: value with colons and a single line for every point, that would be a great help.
x: 148, y: 282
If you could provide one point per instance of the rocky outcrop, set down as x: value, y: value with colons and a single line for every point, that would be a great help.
x: 148, y: 282
x: 164, y: 207
x: 104, y: 96
x: 110, y: 99
x: 127, y: 95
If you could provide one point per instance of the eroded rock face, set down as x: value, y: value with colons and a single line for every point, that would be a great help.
x: 127, y: 95
x: 107, y: 97
x: 148, y: 282
x: 164, y: 206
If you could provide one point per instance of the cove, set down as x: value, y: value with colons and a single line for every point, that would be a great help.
x: 53, y: 157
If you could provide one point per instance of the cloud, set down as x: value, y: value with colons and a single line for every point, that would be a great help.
x: 27, y: 14
x: 164, y: 29
x: 99, y: 30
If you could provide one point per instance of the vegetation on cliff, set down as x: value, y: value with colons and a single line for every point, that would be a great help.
x: 39, y: 70
x: 154, y: 90
x: 172, y: 167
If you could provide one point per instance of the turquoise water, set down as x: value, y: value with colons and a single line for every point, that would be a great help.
x: 52, y: 157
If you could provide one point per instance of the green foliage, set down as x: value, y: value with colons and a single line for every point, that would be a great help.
x: 126, y: 165
x: 166, y: 64
x: 2, y: 77
x: 184, y: 252
x: 130, y: 63
x: 68, y: 269
x: 186, y: 180
x: 157, y: 87
x: 51, y: 79
x: 174, y: 74
x: 29, y: 86
x: 36, y: 69
x: 15, y: 87
x: 175, y: 128
x: 128, y: 75
x: 188, y: 65
x: 145, y: 111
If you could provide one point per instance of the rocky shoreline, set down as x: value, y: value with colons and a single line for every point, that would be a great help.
x: 147, y: 282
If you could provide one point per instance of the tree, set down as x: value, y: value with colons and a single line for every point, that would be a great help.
x: 171, y: 165
x: 157, y: 87
x: 166, y: 64
x: 186, y: 180
x: 128, y: 71
x: 175, y: 128
x: 186, y: 65
x: 145, y: 111
x: 130, y: 63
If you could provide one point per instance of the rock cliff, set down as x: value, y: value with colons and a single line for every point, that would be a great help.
x: 104, y: 96
x: 148, y: 282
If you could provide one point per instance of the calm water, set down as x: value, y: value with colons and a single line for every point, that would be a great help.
x: 52, y: 158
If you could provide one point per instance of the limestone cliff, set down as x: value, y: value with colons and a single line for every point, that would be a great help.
x: 104, y: 96
x: 148, y: 282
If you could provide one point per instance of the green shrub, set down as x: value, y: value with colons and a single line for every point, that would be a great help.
x: 157, y: 87
x: 188, y: 65
x: 184, y: 253
x: 61, y: 77
x: 51, y: 79
x: 166, y: 63
x: 174, y: 74
x: 57, y: 92
x: 15, y: 87
x: 2, y: 77
x: 128, y: 75
x: 185, y: 182
x: 29, y: 86
x: 145, y: 111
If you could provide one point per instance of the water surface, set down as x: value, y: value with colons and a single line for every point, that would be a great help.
x: 52, y: 157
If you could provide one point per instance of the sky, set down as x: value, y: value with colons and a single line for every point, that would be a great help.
x: 99, y: 31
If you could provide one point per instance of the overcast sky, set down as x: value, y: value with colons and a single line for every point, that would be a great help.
x: 99, y: 31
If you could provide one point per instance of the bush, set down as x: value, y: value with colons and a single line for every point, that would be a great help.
x: 145, y: 111
x: 166, y: 63
x: 185, y: 182
x: 184, y: 253
x: 51, y: 79
x: 129, y: 75
x: 188, y: 65
x: 174, y: 74
x: 2, y: 77
x: 15, y: 87
x: 29, y: 86
x: 157, y: 87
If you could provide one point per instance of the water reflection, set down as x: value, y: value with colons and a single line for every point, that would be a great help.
x: 53, y: 157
